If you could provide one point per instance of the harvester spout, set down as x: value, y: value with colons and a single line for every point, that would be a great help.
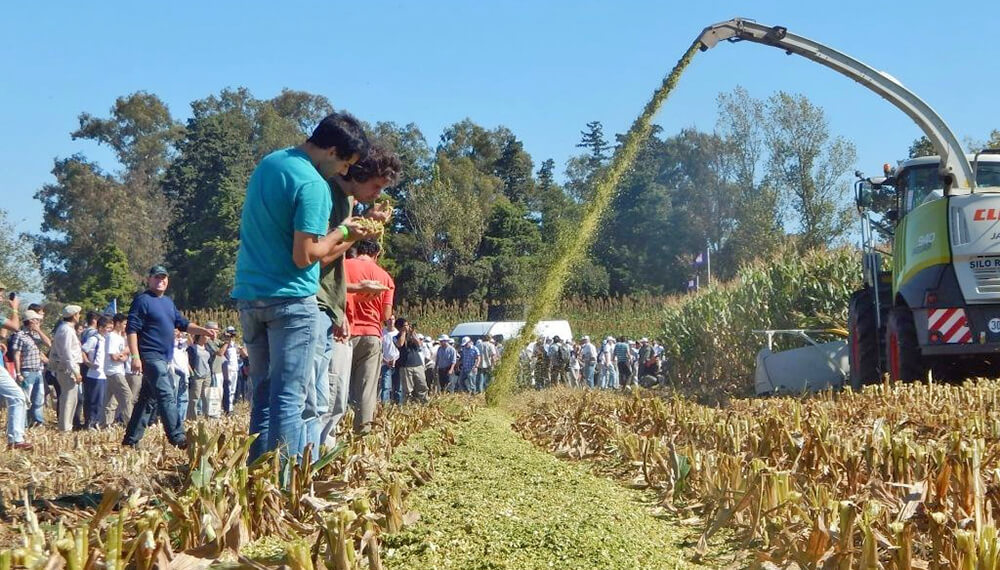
x: 956, y: 172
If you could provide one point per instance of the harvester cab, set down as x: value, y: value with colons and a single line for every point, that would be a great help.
x: 937, y: 306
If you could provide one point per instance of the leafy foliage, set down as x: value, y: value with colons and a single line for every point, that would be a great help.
x: 707, y: 336
x: 19, y: 268
x: 475, y: 217
x: 109, y: 279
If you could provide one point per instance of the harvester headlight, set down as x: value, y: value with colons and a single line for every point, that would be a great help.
x: 959, y: 228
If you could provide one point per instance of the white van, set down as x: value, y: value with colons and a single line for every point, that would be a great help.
x: 510, y: 329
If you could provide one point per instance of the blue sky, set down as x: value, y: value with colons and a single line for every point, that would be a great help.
x: 543, y: 69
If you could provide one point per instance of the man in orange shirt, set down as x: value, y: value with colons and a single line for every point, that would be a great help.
x: 366, y: 313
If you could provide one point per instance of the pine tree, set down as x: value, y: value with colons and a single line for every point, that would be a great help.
x: 593, y: 139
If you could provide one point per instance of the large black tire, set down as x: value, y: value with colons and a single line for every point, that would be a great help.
x: 902, y: 354
x: 862, y: 339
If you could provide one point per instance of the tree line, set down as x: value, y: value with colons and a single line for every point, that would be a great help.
x: 476, y: 218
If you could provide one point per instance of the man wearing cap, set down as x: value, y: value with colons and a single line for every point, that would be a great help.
x: 468, y: 366
x: 444, y: 361
x: 560, y: 356
x: 152, y: 319
x: 65, y: 359
x: 28, y: 361
x: 10, y: 392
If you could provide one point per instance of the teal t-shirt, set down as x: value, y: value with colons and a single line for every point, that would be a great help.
x: 285, y: 194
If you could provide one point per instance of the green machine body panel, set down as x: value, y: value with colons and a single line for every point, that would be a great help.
x: 921, y: 242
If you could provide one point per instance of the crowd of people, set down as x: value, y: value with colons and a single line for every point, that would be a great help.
x: 316, y: 317
x: 83, y: 371
x: 607, y: 365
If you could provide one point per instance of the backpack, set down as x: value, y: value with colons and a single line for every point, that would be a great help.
x: 562, y: 355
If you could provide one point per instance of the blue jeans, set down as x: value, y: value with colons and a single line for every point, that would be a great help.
x: 467, y: 380
x: 318, y: 392
x: 11, y: 393
x: 156, y: 395
x: 612, y: 375
x: 385, y: 391
x: 95, y: 390
x: 484, y: 378
x: 280, y: 337
x: 181, y: 390
x: 588, y: 375
x: 34, y: 389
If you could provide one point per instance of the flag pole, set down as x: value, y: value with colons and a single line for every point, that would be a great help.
x: 708, y: 263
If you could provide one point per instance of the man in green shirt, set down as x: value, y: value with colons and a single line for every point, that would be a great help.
x: 364, y: 183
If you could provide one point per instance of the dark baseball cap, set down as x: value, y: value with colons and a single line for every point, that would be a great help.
x: 158, y: 270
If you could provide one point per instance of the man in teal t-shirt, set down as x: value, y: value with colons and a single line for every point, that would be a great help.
x: 283, y: 235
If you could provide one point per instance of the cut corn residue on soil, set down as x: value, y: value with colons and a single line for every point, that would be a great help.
x: 497, y: 501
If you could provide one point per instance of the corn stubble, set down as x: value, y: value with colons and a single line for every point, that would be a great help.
x: 156, y: 507
x: 895, y: 477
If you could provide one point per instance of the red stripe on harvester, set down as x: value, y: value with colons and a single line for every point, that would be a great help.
x: 939, y: 317
x: 954, y: 329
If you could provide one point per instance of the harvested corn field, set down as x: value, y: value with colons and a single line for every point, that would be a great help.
x: 904, y: 476
x: 901, y: 476
x: 86, y: 503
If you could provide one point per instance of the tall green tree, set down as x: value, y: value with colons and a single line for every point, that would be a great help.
x: 994, y: 140
x: 206, y: 183
x: 20, y: 269
x: 510, y: 245
x: 514, y: 169
x: 757, y: 230
x: 807, y: 165
x: 921, y: 147
x: 594, y: 141
x: 88, y: 208
x: 84, y: 211
x: 140, y: 131
x: 109, y: 279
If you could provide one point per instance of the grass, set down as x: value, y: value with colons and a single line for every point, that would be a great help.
x: 497, y: 501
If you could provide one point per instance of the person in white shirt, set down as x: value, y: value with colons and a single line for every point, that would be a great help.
x: 609, y: 367
x: 96, y: 382
x: 588, y: 360
x: 119, y: 398
x: 232, y: 350
x: 181, y: 367
x: 488, y: 357
x: 387, y: 391
x: 431, y: 355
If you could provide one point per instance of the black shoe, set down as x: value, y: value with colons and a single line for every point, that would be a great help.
x: 182, y: 444
x: 132, y: 445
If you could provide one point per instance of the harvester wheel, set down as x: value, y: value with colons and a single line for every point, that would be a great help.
x: 902, y: 351
x: 862, y: 339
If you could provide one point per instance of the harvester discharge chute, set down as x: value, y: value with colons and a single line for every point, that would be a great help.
x: 935, y: 306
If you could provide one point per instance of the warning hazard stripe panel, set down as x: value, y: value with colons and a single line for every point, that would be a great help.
x: 951, y: 324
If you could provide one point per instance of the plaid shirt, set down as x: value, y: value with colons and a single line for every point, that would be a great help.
x: 31, y: 357
x: 468, y: 360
